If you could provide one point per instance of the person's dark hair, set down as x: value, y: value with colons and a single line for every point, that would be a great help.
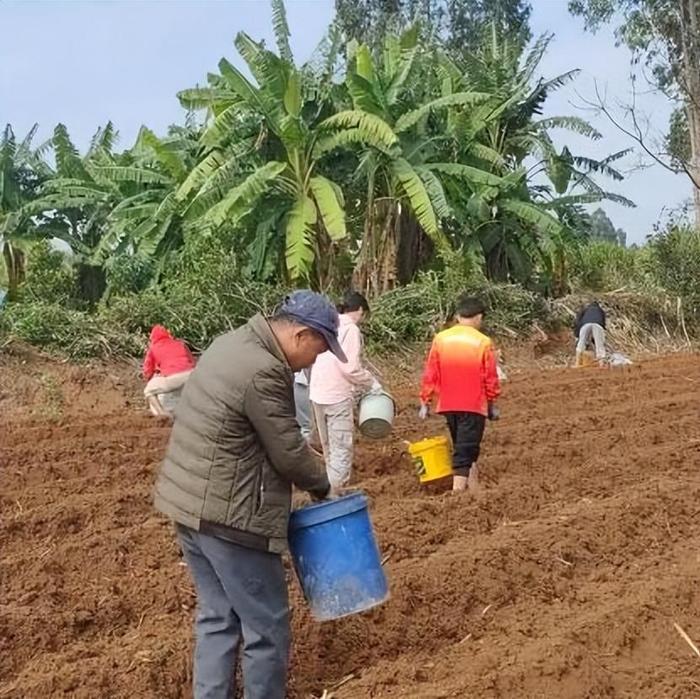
x: 353, y: 301
x: 469, y: 307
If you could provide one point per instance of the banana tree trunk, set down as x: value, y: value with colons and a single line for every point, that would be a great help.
x: 92, y: 282
x: 414, y: 247
x: 375, y: 271
x: 560, y: 275
x: 360, y: 275
x: 14, y: 264
x: 361, y: 278
x: 327, y: 275
x: 388, y: 248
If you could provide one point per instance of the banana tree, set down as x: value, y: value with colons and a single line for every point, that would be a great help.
x: 150, y: 218
x: 275, y: 176
x: 22, y: 170
x: 103, y: 204
x: 406, y: 184
x: 74, y: 207
x: 523, y: 228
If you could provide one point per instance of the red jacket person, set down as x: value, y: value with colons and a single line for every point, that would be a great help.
x: 462, y: 371
x: 167, y: 366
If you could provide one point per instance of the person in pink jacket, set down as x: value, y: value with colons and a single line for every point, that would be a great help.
x: 332, y: 390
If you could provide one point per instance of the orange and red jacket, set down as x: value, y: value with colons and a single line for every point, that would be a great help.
x: 461, y: 371
x: 166, y: 355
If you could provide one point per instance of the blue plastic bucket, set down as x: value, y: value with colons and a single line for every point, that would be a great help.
x: 336, y: 557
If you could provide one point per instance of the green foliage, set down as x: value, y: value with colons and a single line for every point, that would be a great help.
x: 460, y: 25
x: 49, y: 275
x: 202, y: 294
x: 415, y: 312
x: 129, y: 274
x: 461, y: 142
x: 406, y: 315
x: 288, y: 183
x: 72, y: 333
x: 422, y: 163
x: 667, y: 267
x: 513, y: 310
x: 674, y: 258
x: 525, y: 229
x: 425, y: 146
x: 678, y: 139
x: 606, y: 266
x: 22, y: 171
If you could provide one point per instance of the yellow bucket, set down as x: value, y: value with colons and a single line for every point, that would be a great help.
x: 431, y: 458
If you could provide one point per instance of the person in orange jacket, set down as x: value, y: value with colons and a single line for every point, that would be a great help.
x: 166, y: 367
x: 462, y: 371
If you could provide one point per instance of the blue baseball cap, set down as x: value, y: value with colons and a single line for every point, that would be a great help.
x: 315, y: 311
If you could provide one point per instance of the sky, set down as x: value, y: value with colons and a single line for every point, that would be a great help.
x: 83, y: 63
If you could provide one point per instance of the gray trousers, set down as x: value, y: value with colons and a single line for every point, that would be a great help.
x: 303, y: 409
x: 166, y: 384
x: 161, y: 385
x: 595, y: 331
x: 241, y: 594
x: 335, y: 426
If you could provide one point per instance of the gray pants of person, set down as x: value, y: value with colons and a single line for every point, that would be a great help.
x: 163, y: 384
x: 335, y: 430
x: 303, y: 409
x: 241, y: 594
x: 597, y: 333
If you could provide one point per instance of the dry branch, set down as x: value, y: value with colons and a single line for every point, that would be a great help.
x: 686, y: 638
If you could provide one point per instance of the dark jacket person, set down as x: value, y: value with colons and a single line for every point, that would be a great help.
x: 589, y: 326
x: 226, y: 481
x: 592, y: 313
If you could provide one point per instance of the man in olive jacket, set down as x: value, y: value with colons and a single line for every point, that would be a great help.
x: 226, y: 482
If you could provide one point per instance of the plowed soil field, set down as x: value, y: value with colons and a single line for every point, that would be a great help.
x: 566, y: 579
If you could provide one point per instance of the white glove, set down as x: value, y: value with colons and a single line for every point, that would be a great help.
x: 424, y: 411
x: 376, y: 388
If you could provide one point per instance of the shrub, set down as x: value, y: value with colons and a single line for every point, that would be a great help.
x: 413, y: 313
x: 202, y: 294
x: 128, y: 274
x: 605, y: 266
x: 407, y: 314
x: 187, y: 312
x: 50, y: 276
x: 136, y: 312
x: 674, y: 262
x: 76, y: 334
x: 639, y: 321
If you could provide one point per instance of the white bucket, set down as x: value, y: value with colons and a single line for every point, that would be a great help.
x: 376, y: 415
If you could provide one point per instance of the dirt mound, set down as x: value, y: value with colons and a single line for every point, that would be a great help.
x: 565, y: 580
